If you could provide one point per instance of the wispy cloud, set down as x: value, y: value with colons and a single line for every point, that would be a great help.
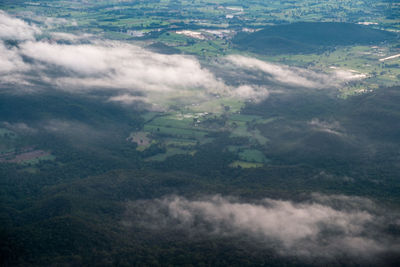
x: 293, y: 76
x: 325, y: 226
x: 129, y: 73
x: 119, y: 65
x: 332, y: 127
x: 15, y: 29
x: 11, y: 60
x: 19, y: 127
x: 123, y: 69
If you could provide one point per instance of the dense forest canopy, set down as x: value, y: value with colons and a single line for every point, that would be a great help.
x: 199, y: 133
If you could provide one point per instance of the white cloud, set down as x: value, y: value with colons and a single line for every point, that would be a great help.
x: 63, y: 36
x: 130, y: 73
x: 280, y: 73
x: 15, y: 29
x: 19, y: 127
x: 11, y: 61
x: 82, y: 59
x: 12, y: 67
x: 127, y: 70
x: 295, y: 76
x: 333, y: 127
x: 256, y: 93
x: 324, y: 227
x: 127, y: 99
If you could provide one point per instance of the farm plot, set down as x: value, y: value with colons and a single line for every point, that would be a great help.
x: 26, y: 156
x: 178, y: 126
x: 142, y: 140
x: 243, y: 126
x: 181, y: 133
x: 177, y: 132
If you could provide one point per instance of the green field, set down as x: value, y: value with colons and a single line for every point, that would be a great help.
x: 144, y: 143
x: 182, y: 133
x: 170, y: 152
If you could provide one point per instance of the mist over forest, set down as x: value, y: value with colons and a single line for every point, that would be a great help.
x: 199, y: 133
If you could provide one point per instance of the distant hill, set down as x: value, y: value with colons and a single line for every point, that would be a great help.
x: 162, y: 48
x: 309, y: 37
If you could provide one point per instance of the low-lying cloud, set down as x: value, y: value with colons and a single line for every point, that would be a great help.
x: 129, y: 73
x: 293, y: 76
x: 19, y: 127
x: 332, y: 127
x: 106, y: 64
x: 325, y: 226
x: 125, y: 70
x: 16, y: 29
x: 11, y: 61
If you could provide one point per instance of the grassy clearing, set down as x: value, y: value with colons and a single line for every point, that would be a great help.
x: 35, y: 161
x: 204, y: 48
x: 174, y: 123
x: 244, y: 118
x: 254, y: 135
x: 180, y: 143
x: 181, y: 131
x: 175, y: 132
x: 252, y: 155
x: 148, y: 116
x: 217, y: 105
x: 177, y: 125
x: 170, y: 152
x: 173, y: 39
x: 142, y: 140
x: 248, y: 155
